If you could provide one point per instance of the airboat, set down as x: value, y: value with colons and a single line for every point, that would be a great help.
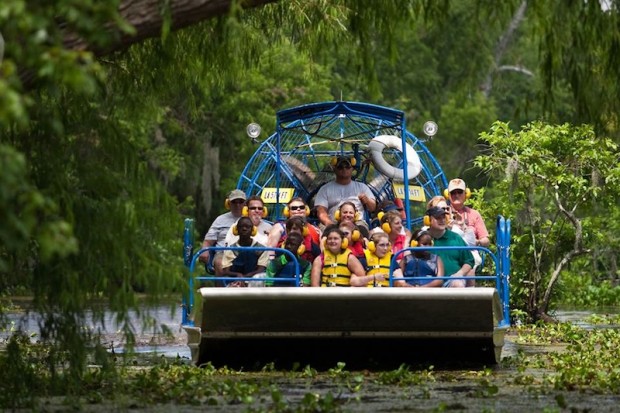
x: 363, y: 327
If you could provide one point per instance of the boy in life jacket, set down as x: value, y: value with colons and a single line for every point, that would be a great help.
x: 244, y: 262
x: 378, y: 258
x: 422, y: 263
x: 336, y: 266
x: 283, y: 266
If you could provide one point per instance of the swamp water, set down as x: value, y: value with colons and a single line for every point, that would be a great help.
x: 515, y: 385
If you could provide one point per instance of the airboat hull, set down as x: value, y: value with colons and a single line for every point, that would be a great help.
x: 363, y: 327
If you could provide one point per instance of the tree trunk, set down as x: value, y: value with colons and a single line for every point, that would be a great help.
x: 147, y: 17
x: 576, y: 251
x: 500, y: 50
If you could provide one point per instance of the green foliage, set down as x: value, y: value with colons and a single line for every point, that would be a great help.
x: 101, y: 152
x: 30, y: 223
x: 549, y: 179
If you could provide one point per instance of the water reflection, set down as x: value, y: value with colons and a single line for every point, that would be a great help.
x: 161, y: 333
x: 166, y: 338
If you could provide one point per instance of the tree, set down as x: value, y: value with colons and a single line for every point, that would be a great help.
x: 549, y: 179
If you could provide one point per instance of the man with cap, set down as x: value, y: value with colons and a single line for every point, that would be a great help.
x: 466, y: 221
x: 457, y: 263
x: 342, y: 189
x: 466, y: 216
x: 216, y: 235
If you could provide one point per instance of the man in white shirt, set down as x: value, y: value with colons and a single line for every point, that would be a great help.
x: 342, y: 189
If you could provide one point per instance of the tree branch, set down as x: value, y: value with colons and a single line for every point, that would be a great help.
x: 147, y: 18
x: 576, y: 251
x: 501, y: 47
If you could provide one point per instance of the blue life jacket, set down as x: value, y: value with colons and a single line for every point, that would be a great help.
x: 417, y: 267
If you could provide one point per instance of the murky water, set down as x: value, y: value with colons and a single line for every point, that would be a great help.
x: 454, y: 390
x: 165, y: 337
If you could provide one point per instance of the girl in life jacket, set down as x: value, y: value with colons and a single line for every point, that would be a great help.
x: 355, y: 240
x: 422, y: 263
x: 378, y: 259
x: 336, y: 266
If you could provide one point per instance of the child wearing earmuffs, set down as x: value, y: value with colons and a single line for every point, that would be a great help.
x: 356, y: 241
x: 244, y: 263
x: 282, y: 266
x: 422, y: 263
x: 378, y: 255
x: 336, y: 266
x: 399, y: 235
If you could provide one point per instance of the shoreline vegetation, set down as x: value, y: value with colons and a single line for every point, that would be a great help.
x: 552, y: 367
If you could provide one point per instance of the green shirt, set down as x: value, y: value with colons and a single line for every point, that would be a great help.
x: 453, y: 260
x: 277, y: 264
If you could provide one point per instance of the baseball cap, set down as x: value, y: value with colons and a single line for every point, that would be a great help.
x: 342, y: 159
x: 456, y: 184
x: 236, y: 194
x: 436, y: 212
x: 390, y: 206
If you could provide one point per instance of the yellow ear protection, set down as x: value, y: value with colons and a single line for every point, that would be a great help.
x: 227, y: 203
x: 235, y: 231
x: 372, y: 247
x: 338, y: 215
x: 305, y: 232
x: 345, y: 243
x: 334, y: 161
x: 427, y: 220
x: 287, y: 213
x: 355, y: 235
x: 246, y: 212
x: 415, y: 243
x: 386, y: 227
x: 446, y: 194
x: 301, y: 249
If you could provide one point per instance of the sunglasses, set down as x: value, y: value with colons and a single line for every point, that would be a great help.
x: 457, y: 191
x: 237, y: 201
x: 255, y: 208
x: 446, y: 208
x: 345, y: 166
x: 297, y: 207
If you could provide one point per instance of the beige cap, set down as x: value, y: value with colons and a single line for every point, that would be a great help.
x: 236, y: 194
x: 456, y: 184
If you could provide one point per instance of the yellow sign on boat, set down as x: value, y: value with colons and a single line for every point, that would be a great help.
x: 416, y: 193
x: 269, y: 195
